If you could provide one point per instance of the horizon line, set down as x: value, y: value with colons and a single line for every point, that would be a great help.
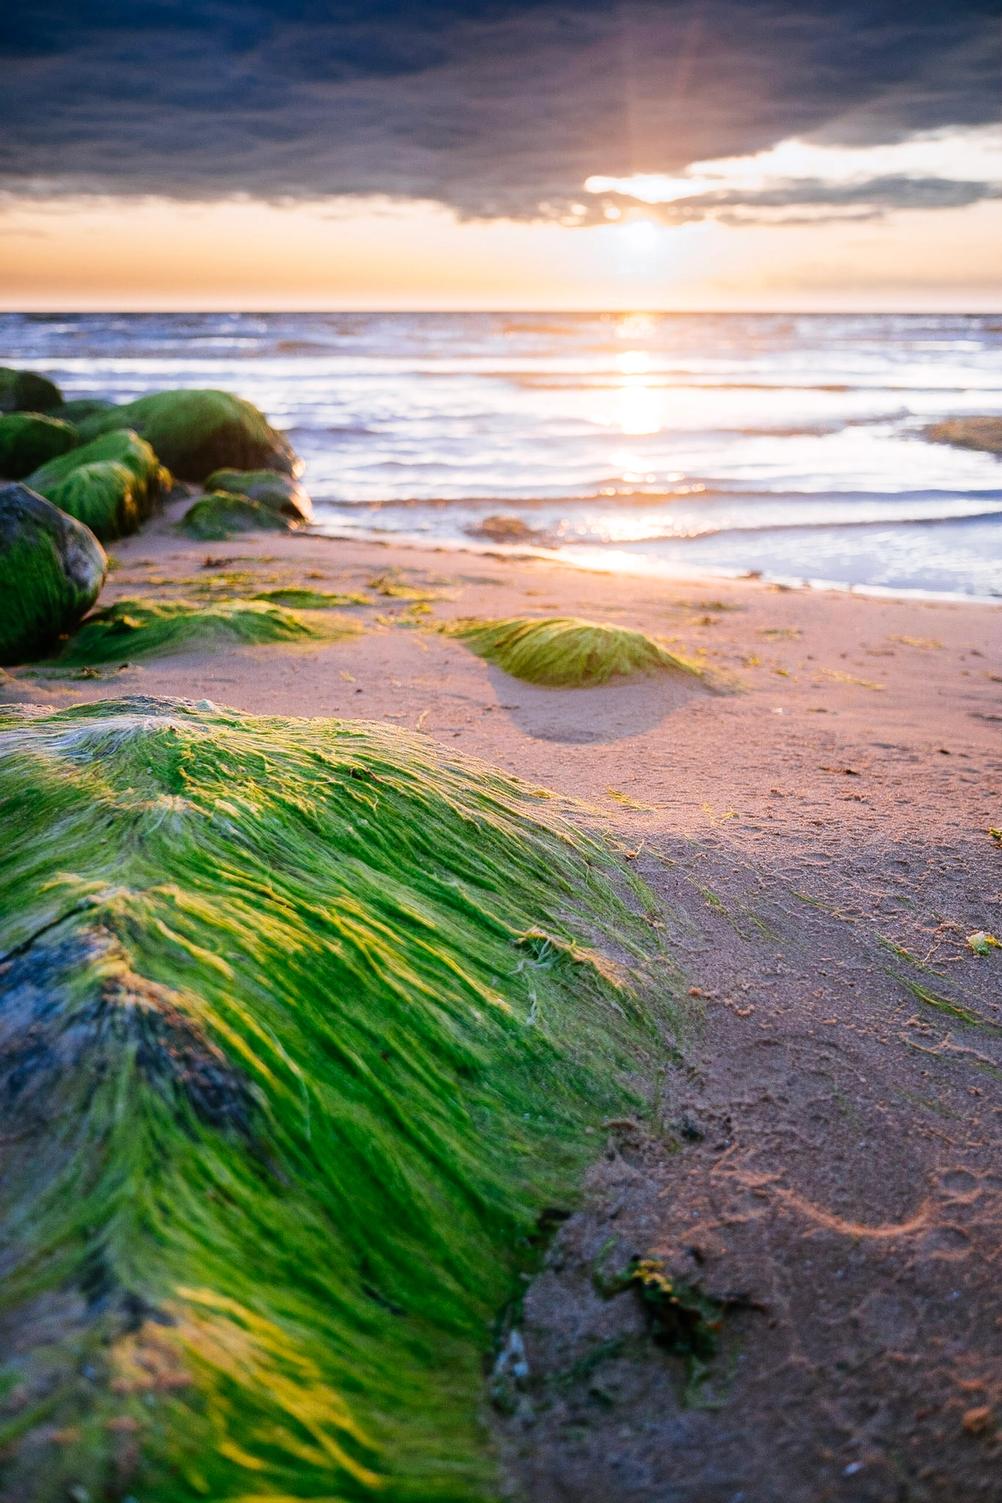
x: 633, y: 309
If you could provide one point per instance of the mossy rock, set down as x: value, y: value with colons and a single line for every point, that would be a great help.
x: 103, y: 496
x: 197, y: 432
x: 565, y: 651
x: 983, y: 433
x: 306, y: 1024
x: 112, y: 483
x: 29, y: 439
x: 78, y: 408
x: 132, y: 629
x: 219, y: 515
x: 51, y: 573
x: 281, y: 493
x: 27, y: 391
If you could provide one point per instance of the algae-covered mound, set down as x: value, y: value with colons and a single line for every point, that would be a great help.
x: 564, y: 651
x: 27, y: 391
x: 78, y: 408
x: 112, y: 483
x: 196, y: 432
x: 29, y: 439
x: 969, y: 433
x: 303, y: 1028
x: 281, y: 493
x: 219, y: 515
x: 51, y: 572
x: 142, y: 628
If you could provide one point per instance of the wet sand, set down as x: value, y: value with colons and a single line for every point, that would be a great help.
x: 826, y: 1144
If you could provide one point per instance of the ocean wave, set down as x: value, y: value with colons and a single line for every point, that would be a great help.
x: 323, y: 431
x: 819, y: 524
x: 988, y: 502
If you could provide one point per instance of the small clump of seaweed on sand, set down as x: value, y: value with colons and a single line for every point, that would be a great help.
x: 565, y: 651
x: 143, y: 628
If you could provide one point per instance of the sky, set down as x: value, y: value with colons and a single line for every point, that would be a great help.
x: 509, y: 154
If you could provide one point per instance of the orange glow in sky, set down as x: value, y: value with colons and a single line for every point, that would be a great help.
x: 121, y: 254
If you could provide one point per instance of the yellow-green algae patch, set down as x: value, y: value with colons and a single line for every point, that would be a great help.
x: 395, y: 587
x: 141, y: 628
x: 565, y: 651
x: 312, y: 600
x: 304, y: 1025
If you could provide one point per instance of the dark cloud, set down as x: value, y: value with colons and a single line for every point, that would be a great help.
x: 499, y: 108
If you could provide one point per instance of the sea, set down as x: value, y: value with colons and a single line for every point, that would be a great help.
x: 692, y: 444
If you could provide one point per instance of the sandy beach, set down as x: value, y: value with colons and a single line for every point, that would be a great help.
x: 501, y: 752
x: 816, y: 820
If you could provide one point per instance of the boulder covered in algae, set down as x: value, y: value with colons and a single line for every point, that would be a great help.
x: 27, y: 391
x: 220, y: 514
x: 196, y: 432
x: 112, y: 483
x: 281, y: 493
x: 78, y: 408
x: 51, y: 572
x: 29, y: 439
x: 306, y: 1023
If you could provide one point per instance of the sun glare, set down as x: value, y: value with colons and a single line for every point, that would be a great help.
x: 634, y: 362
x: 639, y: 236
x: 640, y: 405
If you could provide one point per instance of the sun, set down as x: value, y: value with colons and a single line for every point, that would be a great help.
x: 641, y: 237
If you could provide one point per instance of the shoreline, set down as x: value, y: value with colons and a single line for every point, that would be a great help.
x: 517, y: 552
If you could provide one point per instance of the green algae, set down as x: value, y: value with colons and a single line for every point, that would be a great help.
x: 111, y: 484
x: 312, y: 600
x: 51, y: 572
x: 946, y: 1005
x: 394, y: 587
x: 27, y: 391
x: 196, y: 432
x: 308, y: 1022
x: 143, y: 628
x: 78, y: 408
x: 564, y: 651
x: 279, y: 492
x: 219, y: 515
x: 29, y: 439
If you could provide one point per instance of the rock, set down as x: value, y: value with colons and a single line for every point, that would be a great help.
x: 29, y: 439
x: 51, y: 572
x: 279, y: 492
x: 79, y: 408
x: 112, y: 484
x: 969, y: 433
x: 26, y: 391
x: 197, y: 432
x: 503, y: 528
x: 220, y: 514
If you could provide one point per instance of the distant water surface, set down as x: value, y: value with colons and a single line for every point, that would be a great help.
x: 680, y: 443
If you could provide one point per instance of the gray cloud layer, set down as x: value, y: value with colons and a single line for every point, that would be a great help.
x: 491, y: 109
